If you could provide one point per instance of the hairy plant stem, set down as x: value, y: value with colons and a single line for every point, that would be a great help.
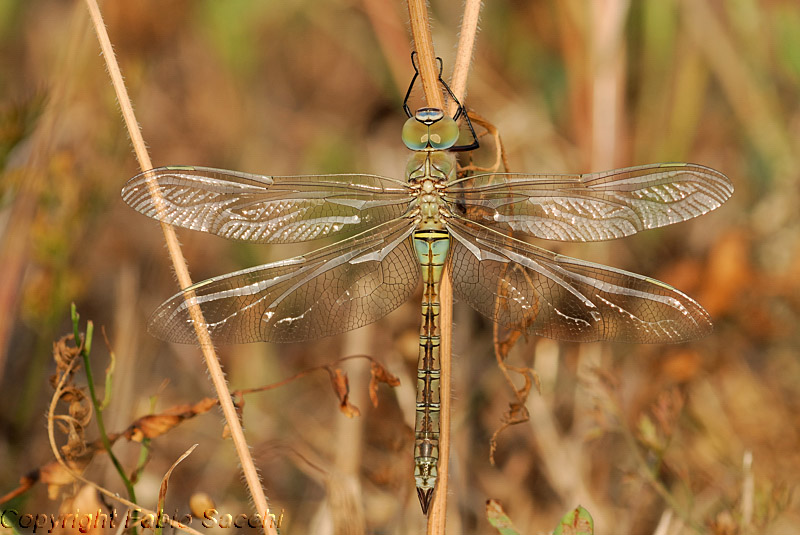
x: 429, y: 73
x: 182, y: 273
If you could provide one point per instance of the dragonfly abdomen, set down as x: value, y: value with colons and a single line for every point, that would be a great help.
x: 431, y: 246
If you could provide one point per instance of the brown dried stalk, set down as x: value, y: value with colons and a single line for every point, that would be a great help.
x: 182, y: 273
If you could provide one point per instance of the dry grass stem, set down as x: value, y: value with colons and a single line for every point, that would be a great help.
x: 464, y: 52
x: 426, y: 56
x: 182, y: 273
x: 428, y: 69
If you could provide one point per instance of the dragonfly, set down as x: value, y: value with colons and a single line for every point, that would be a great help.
x: 391, y: 234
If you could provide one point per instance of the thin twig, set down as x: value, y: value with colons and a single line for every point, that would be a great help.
x: 182, y: 273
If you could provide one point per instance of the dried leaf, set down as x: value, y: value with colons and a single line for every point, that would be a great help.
x: 379, y: 374
x: 498, y: 518
x: 55, y: 475
x: 341, y: 387
x: 517, y: 412
x: 576, y: 522
x: 162, y: 493
x: 64, y: 352
x: 151, y: 426
x: 154, y: 425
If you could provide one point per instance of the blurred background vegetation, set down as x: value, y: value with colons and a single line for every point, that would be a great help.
x: 646, y: 437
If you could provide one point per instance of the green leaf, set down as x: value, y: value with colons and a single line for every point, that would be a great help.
x: 576, y: 522
x: 498, y: 518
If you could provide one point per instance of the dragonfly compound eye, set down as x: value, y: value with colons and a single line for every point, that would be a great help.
x: 439, y: 135
x: 415, y: 134
x: 443, y: 134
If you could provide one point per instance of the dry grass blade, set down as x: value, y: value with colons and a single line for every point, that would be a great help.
x: 162, y: 491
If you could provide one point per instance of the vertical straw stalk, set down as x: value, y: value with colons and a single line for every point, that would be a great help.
x: 182, y: 273
x: 423, y: 44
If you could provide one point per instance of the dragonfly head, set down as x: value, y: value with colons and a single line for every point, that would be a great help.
x: 430, y: 129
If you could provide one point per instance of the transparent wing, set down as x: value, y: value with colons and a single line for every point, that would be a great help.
x: 268, y: 209
x: 334, y: 289
x: 590, y: 207
x: 528, y: 288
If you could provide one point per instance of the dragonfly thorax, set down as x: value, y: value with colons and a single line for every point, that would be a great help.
x: 430, y: 133
x: 428, y: 173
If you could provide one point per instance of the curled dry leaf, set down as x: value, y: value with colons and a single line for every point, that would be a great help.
x: 151, y: 426
x: 55, y: 475
x: 79, y: 453
x: 154, y: 425
x: 379, y: 374
x: 162, y: 493
x: 504, y: 341
x: 64, y: 352
x: 517, y: 413
x: 341, y: 387
x: 80, y: 409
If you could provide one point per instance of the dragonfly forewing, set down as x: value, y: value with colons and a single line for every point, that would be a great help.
x: 528, y: 288
x: 590, y: 207
x: 341, y: 287
x: 267, y: 209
